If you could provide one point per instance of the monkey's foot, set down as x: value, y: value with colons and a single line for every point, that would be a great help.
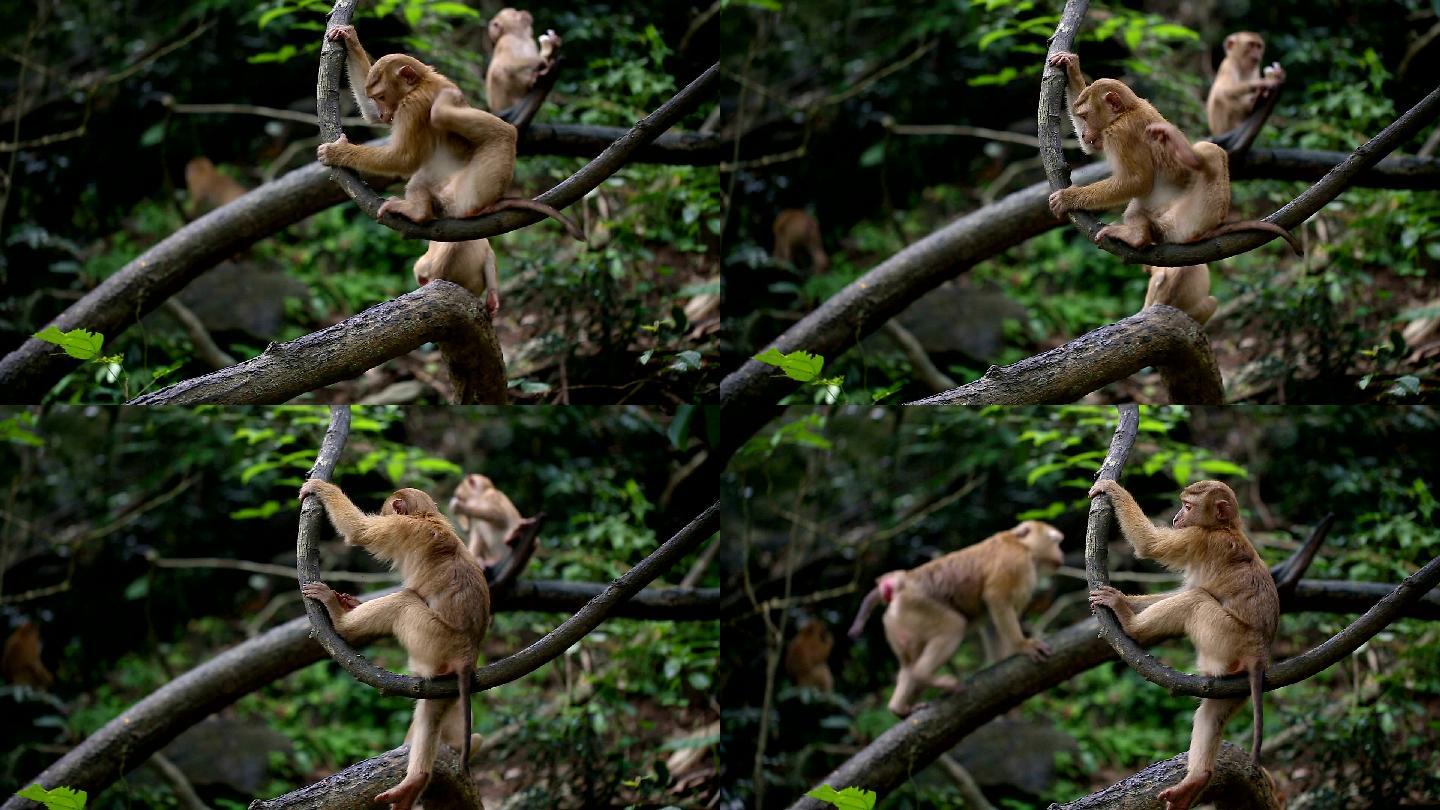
x: 947, y: 682
x: 404, y: 208
x: 403, y: 795
x: 1183, y: 795
x: 1107, y: 596
x: 1062, y: 59
x: 1037, y: 650
x: 492, y: 303
x: 904, y: 711
x: 1129, y: 236
x: 318, y: 591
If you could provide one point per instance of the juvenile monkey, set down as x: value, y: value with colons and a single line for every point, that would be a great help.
x: 21, y: 662
x: 207, y: 188
x: 489, y: 518
x: 460, y: 160
x: 1177, y: 191
x: 1185, y: 288
x: 807, y: 656
x: 795, y: 228
x: 471, y: 264
x: 515, y: 61
x: 928, y: 607
x: 440, y: 616
x: 1228, y: 607
x: 1238, y: 83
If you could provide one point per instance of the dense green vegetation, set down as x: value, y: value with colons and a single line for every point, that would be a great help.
x: 824, y: 500
x: 839, y: 83
x: 99, y: 83
x: 113, y: 519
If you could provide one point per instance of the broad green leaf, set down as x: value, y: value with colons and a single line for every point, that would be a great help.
x: 60, y: 798
x: 78, y: 343
x: 851, y: 798
x: 801, y: 366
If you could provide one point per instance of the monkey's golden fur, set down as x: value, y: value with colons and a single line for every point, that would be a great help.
x: 460, y: 160
x: 1238, y: 84
x: 928, y: 607
x: 515, y: 60
x: 1228, y: 607
x: 1177, y: 191
x: 440, y: 616
x: 207, y: 188
x: 795, y: 228
x: 807, y: 656
x: 1185, y: 288
x: 488, y: 516
x: 471, y: 264
x: 21, y: 662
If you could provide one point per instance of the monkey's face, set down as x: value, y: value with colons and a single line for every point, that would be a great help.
x: 1207, y: 504
x: 1043, y: 541
x: 509, y: 21
x: 1246, y: 48
x: 390, y: 80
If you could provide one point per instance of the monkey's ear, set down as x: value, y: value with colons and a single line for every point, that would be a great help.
x: 409, y: 75
x: 1112, y: 100
x: 1022, y: 530
x: 399, y: 506
x: 527, y: 18
x: 1229, y: 43
x: 1223, y: 510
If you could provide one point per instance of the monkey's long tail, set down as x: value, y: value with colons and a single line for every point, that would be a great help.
x: 1257, y: 225
x: 465, y: 673
x: 539, y: 207
x: 1257, y: 693
x: 871, y: 599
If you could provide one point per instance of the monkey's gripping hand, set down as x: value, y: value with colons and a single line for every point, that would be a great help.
x: 1060, y: 202
x: 323, y: 594
x: 1035, y: 649
x: 1104, y: 486
x: 334, y: 152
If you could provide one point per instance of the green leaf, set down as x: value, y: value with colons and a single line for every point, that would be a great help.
x: 78, y: 343
x: 11, y: 430
x: 274, y: 13
x: 395, y: 468
x: 260, y: 512
x: 60, y: 798
x: 1215, y: 466
x: 800, y: 365
x: 851, y: 798
x: 873, y: 156
x: 453, y: 10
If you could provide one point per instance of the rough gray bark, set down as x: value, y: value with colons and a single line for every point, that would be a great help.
x: 1236, y: 784
x: 1159, y: 336
x: 439, y: 312
x: 355, y: 787
x: 1290, y: 215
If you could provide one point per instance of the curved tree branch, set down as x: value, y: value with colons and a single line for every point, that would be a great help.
x: 440, y: 312
x: 1159, y: 336
x: 1343, y: 175
x: 568, y: 192
x: 1291, y: 670
x: 508, y: 669
x: 1235, y: 784
x: 355, y: 787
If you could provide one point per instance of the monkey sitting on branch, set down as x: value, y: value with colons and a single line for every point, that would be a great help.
x: 440, y: 615
x: 1177, y: 191
x: 1228, y: 606
x: 488, y: 517
x: 1239, y: 85
x: 515, y: 60
x: 928, y: 607
x: 807, y: 656
x: 460, y: 160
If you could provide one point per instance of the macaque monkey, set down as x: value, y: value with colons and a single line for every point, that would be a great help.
x: 488, y: 517
x: 440, y: 616
x: 207, y: 187
x: 1185, y: 288
x: 807, y: 654
x: 1177, y: 191
x: 470, y: 264
x: 459, y: 159
x: 21, y: 661
x: 515, y: 61
x: 928, y: 607
x: 1238, y: 83
x: 1228, y: 607
x: 795, y: 228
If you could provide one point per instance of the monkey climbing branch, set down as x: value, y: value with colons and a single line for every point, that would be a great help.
x: 507, y: 669
x: 1292, y: 670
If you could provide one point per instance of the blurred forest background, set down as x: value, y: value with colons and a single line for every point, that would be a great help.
x: 101, y: 97
x: 825, y: 500
x: 888, y: 121
x: 114, y: 518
